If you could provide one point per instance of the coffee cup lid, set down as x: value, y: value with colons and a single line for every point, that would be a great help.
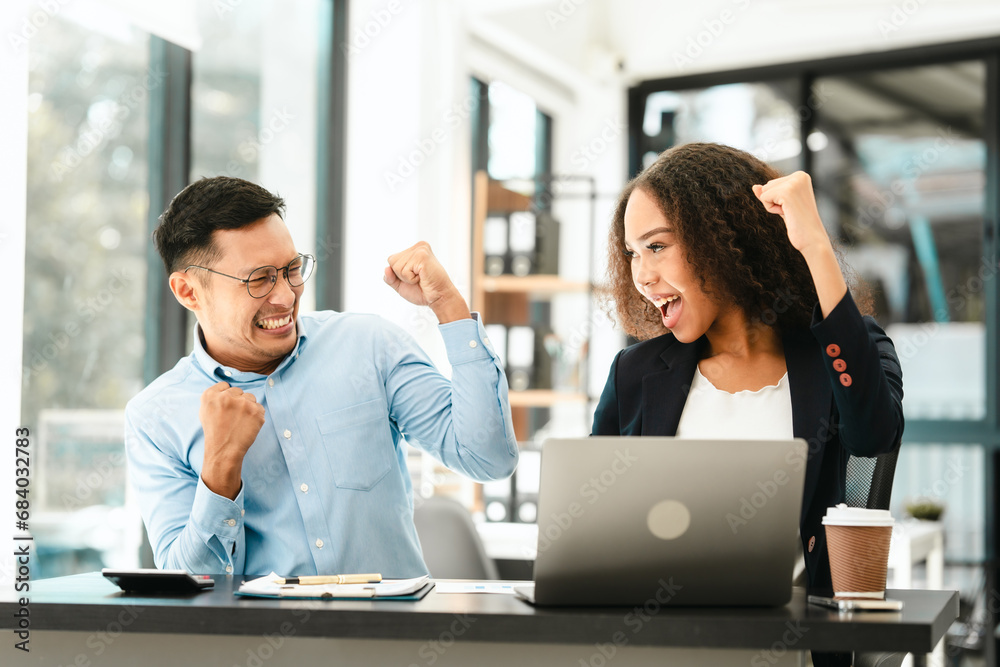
x: 842, y: 515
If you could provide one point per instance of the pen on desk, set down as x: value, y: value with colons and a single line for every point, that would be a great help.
x: 332, y: 579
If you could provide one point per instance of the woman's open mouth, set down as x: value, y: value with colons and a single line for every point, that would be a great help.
x: 670, y: 309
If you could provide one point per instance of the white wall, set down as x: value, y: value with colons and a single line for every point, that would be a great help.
x: 409, y: 100
x: 396, y: 109
x: 660, y: 39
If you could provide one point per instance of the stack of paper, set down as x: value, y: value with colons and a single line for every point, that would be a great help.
x: 400, y: 589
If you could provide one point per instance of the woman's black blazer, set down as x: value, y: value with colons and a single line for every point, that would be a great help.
x: 846, y: 389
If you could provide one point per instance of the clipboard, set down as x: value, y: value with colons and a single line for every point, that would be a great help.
x: 390, y: 589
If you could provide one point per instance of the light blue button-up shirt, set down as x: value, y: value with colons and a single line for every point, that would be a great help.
x: 325, y: 485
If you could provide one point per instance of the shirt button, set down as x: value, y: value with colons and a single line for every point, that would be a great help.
x: 845, y: 379
x: 287, y: 434
x: 319, y: 544
x: 839, y: 365
x: 270, y: 382
x: 229, y: 568
x: 229, y: 374
x: 473, y: 343
x: 231, y: 522
x: 243, y: 512
x: 833, y: 350
x: 305, y: 488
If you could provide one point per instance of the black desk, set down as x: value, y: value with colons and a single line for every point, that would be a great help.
x: 84, y: 620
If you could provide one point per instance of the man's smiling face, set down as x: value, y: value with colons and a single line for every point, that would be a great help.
x: 248, y: 334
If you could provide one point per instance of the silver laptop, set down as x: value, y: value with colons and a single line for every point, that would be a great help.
x: 629, y: 520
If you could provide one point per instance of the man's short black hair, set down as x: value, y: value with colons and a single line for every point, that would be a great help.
x: 184, y: 235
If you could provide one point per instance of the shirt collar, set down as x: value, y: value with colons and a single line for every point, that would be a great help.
x: 229, y: 374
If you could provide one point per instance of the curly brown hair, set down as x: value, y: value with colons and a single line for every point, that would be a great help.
x: 739, y: 252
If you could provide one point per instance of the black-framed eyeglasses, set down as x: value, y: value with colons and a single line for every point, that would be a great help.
x: 261, y: 280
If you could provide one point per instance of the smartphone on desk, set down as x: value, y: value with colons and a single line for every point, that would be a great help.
x: 150, y: 580
x: 856, y: 605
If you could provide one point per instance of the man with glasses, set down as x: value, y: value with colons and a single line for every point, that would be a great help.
x: 277, y: 443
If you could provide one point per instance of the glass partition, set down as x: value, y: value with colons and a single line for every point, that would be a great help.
x: 759, y: 117
x: 900, y: 178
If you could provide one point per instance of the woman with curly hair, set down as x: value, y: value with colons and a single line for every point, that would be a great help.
x: 724, y: 271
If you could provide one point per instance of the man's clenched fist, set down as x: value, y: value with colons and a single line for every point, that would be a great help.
x: 231, y: 420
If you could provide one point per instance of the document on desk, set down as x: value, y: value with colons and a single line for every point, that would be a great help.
x: 501, y: 587
x: 389, y: 589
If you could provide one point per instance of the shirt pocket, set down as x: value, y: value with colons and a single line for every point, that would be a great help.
x: 358, y: 444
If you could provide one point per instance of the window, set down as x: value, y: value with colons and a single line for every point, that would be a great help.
x: 254, y: 106
x: 256, y: 100
x: 85, y: 279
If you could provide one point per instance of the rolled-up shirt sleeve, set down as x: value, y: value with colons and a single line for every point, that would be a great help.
x: 191, y: 527
x: 465, y: 423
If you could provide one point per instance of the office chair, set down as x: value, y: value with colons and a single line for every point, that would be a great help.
x: 869, y: 485
x: 448, y: 537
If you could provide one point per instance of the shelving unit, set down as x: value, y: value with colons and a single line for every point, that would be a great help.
x: 529, y: 300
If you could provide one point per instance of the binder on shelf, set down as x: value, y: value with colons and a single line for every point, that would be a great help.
x: 520, y: 357
x: 497, y: 333
x: 547, y: 244
x: 522, y: 243
x: 496, y: 500
x: 529, y: 470
x: 495, y: 246
x: 543, y: 360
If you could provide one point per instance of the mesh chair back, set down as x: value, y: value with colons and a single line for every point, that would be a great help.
x: 869, y: 480
x: 450, y: 542
x: 869, y: 485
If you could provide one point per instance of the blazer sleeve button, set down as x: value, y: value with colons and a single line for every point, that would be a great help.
x: 839, y: 365
x: 833, y: 350
x: 845, y: 379
x: 812, y: 543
